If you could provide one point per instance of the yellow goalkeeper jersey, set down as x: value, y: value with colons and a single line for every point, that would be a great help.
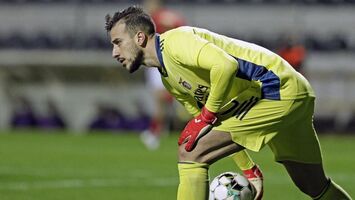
x: 202, y: 68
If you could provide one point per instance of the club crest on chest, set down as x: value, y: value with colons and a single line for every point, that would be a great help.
x: 185, y: 84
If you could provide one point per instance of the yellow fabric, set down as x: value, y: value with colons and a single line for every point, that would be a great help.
x: 193, y: 181
x: 222, y: 69
x: 334, y: 192
x: 186, y: 100
x: 296, y: 139
x: 228, y: 77
x: 254, y: 125
x: 286, y: 126
x: 243, y: 160
x: 201, y: 69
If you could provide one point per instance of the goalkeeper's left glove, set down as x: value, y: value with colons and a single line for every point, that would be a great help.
x: 196, y: 128
x: 255, y: 177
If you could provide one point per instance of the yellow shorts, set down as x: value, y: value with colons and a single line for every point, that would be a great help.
x: 286, y: 126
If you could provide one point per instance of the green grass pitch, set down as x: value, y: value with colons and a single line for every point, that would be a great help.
x: 49, y: 166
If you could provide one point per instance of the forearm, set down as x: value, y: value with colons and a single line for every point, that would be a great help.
x: 222, y: 68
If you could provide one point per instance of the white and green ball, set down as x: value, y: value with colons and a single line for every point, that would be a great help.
x: 231, y: 186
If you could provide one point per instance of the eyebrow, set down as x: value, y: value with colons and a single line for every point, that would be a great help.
x: 115, y: 41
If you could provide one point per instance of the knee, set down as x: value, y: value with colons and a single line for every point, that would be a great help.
x: 310, y: 189
x: 193, y: 156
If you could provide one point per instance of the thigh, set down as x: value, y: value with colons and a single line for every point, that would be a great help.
x: 210, y: 148
x: 255, y: 125
x: 297, y: 140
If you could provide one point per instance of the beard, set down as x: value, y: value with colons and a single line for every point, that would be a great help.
x: 137, y: 61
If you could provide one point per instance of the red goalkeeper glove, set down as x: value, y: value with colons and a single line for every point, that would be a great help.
x: 255, y: 177
x: 196, y: 128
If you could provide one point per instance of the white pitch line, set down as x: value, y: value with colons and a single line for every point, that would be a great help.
x: 136, y: 173
x: 136, y: 177
x: 87, y: 183
x: 132, y: 182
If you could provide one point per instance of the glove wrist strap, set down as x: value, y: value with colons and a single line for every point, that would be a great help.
x: 208, y: 116
x: 254, y: 172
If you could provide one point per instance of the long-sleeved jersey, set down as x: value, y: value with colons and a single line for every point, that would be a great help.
x: 202, y: 68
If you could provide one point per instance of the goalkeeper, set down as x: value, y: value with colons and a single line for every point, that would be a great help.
x: 243, y: 96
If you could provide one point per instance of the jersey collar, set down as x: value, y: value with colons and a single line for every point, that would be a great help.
x: 159, y: 47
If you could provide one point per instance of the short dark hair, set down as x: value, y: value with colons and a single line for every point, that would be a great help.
x: 135, y: 19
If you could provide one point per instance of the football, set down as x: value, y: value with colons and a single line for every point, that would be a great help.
x: 231, y: 186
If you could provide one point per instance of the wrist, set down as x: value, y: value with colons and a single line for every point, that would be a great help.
x: 253, y: 172
x: 208, y: 116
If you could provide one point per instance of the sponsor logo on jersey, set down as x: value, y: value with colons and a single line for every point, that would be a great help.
x: 201, y: 95
x: 240, y: 109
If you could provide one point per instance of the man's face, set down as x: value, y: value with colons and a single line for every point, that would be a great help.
x: 125, y: 50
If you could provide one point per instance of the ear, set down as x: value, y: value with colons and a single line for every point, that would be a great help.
x: 141, y: 39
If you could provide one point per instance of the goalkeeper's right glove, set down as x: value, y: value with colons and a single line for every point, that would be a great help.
x: 196, y: 128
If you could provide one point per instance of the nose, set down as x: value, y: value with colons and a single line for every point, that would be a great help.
x: 115, y: 52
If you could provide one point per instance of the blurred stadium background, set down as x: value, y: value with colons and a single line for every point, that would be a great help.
x: 55, y: 62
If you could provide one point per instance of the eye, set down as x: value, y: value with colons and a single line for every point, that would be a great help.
x: 116, y: 42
